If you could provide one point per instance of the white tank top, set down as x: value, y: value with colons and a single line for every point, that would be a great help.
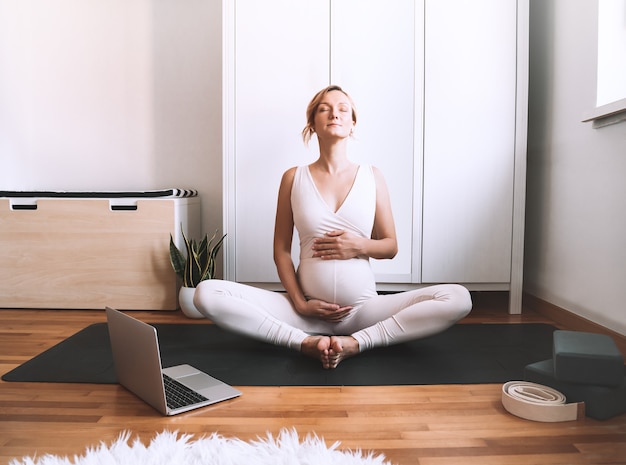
x: 345, y: 282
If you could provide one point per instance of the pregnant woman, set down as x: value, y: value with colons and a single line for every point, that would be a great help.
x: 342, y: 212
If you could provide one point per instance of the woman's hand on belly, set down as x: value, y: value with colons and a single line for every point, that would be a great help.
x: 338, y: 245
x: 319, y: 309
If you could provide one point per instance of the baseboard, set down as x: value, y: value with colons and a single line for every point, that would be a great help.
x: 568, y: 320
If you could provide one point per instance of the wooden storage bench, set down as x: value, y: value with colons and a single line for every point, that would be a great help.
x: 77, y: 252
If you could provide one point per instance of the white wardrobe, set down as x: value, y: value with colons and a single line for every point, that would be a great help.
x: 440, y: 88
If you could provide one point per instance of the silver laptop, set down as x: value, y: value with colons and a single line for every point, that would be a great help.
x: 137, y: 359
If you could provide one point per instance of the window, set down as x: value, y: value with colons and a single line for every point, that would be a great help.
x: 611, y: 51
x: 611, y: 78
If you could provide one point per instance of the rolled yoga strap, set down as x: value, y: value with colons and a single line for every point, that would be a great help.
x: 539, y: 403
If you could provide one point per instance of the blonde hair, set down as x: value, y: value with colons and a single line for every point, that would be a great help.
x: 311, y: 110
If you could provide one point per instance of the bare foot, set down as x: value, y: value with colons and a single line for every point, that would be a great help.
x: 341, y: 348
x: 317, y: 347
x: 330, y: 350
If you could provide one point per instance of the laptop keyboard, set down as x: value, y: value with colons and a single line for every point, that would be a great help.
x: 178, y: 395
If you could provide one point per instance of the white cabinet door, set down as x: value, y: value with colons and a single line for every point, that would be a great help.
x: 373, y: 58
x: 278, y: 60
x: 469, y: 140
x: 283, y: 52
x: 434, y: 83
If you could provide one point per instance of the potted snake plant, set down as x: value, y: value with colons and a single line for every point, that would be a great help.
x: 193, y: 265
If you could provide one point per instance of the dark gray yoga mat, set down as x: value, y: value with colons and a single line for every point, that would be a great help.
x: 463, y: 354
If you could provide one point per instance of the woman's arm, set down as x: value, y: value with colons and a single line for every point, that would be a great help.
x: 385, y: 243
x: 283, y: 237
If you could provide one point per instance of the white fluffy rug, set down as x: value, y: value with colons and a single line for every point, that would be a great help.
x: 171, y: 448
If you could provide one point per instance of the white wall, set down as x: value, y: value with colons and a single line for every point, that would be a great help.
x: 112, y: 95
x: 576, y: 198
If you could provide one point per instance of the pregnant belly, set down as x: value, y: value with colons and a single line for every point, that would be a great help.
x: 344, y: 282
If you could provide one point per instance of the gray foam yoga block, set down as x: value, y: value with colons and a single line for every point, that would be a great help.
x: 587, y: 358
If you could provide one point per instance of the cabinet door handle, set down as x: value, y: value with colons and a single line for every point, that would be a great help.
x: 123, y: 207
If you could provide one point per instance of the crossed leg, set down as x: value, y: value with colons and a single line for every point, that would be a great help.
x: 382, y: 320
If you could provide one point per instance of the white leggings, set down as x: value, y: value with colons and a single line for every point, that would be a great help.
x: 380, y: 321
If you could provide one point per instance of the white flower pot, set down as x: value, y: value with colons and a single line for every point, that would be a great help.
x: 185, y: 299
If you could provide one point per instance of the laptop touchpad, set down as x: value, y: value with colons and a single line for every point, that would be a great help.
x: 199, y: 381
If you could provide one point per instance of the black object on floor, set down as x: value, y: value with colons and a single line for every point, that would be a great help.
x: 464, y: 354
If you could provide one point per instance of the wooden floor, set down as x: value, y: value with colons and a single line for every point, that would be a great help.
x: 428, y: 425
